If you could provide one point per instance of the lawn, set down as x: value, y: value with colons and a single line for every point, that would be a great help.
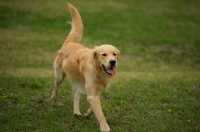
x: 157, y: 86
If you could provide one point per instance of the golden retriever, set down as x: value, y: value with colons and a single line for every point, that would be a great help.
x: 89, y: 70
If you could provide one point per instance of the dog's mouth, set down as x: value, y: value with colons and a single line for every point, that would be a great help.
x: 110, y: 71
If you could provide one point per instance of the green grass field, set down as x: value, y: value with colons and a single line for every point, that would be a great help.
x: 157, y: 87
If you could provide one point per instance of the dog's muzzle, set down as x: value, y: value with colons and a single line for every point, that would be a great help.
x: 111, y: 70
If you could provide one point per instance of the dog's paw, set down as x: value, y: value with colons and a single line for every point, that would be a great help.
x: 107, y: 131
x: 104, y: 127
x: 89, y: 112
x: 77, y: 114
x: 53, y: 97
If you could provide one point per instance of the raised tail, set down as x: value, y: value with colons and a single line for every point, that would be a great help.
x: 76, y: 32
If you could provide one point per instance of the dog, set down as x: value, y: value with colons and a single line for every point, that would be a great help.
x: 89, y: 70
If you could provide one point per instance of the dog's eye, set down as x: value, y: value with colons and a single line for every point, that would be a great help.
x: 104, y: 54
x: 114, y: 54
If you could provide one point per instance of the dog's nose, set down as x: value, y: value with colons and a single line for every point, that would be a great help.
x: 112, y: 62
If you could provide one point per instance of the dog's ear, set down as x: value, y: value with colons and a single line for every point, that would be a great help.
x: 118, y: 53
x: 95, y: 53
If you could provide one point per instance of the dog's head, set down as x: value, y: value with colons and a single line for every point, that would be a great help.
x: 105, y: 57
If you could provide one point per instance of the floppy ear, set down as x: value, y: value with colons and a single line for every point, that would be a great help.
x: 118, y: 52
x: 95, y: 58
x: 95, y: 53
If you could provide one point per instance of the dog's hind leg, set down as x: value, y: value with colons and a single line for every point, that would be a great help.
x: 58, y: 77
x: 89, y: 112
x: 76, y: 102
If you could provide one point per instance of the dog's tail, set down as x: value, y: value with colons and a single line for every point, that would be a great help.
x: 76, y: 32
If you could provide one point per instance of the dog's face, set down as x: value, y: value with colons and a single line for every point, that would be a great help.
x: 106, y: 57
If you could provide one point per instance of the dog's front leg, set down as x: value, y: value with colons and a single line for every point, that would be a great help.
x: 96, y: 108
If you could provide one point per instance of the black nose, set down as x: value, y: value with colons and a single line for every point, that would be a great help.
x: 112, y: 62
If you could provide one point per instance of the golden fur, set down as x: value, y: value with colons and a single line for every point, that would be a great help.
x: 89, y: 70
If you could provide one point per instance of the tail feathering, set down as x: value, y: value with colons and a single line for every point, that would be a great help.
x: 76, y: 32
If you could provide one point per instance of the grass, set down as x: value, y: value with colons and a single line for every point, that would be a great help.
x: 157, y: 87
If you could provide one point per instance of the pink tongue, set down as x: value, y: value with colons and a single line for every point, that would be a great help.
x: 111, y: 71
